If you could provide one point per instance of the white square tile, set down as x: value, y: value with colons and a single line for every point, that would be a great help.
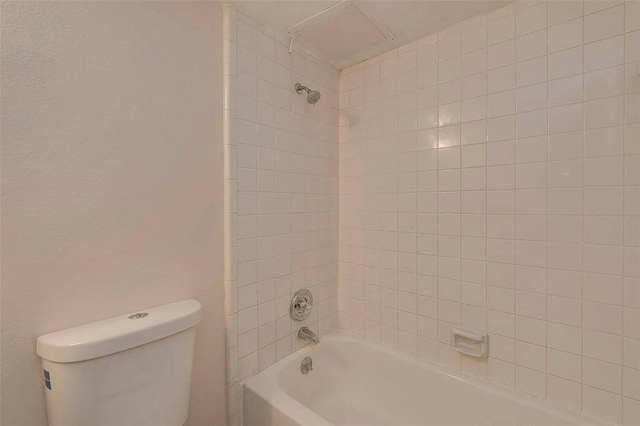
x: 566, y: 118
x: 604, y: 53
x: 601, y: 403
x: 531, y: 305
x: 603, y: 171
x: 565, y: 311
x: 631, y: 411
x: 598, y: 5
x: 565, y: 200
x: 602, y: 317
x: 604, y: 112
x: 603, y: 229
x: 531, y: 19
x: 566, y: 173
x: 474, y: 132
x: 531, y: 227
x: 566, y: 90
x: 532, y: 149
x: 533, y: 123
x: 500, y: 79
x: 449, y: 47
x: 501, y: 29
x: 501, y: 153
x: 602, y: 288
x: 604, y: 24
x: 632, y: 110
x: 564, y: 392
x: 531, y: 381
x: 531, y: 45
x: 604, y: 83
x: 474, y: 179
x: 501, y: 54
x: 564, y: 228
x: 531, y: 201
x: 501, y: 128
x: 564, y: 11
x: 473, y: 62
x: 569, y: 62
x: 564, y: 364
x: 566, y: 35
x: 531, y: 98
x: 531, y: 330
x: 535, y: 70
x: 564, y: 337
x: 602, y: 346
x: 500, y: 226
x: 503, y: 103
x: 606, y: 141
x: 474, y: 155
x: 631, y: 383
x: 474, y: 38
x: 566, y: 146
x: 603, y: 259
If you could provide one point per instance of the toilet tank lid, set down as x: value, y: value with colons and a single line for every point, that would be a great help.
x: 119, y: 333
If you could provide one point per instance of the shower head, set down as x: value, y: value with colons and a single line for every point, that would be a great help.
x: 313, y: 96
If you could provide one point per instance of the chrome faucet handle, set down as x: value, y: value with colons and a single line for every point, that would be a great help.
x: 301, y: 305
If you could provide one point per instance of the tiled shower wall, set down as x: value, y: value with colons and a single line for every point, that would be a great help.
x: 490, y: 177
x: 281, y: 198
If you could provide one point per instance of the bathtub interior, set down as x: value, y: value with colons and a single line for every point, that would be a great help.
x: 354, y: 382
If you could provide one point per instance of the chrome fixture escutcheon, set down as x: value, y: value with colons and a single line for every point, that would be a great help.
x: 301, y: 305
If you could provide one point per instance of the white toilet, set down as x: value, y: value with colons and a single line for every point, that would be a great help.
x: 133, y: 369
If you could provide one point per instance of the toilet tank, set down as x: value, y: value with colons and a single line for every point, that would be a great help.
x: 132, y: 369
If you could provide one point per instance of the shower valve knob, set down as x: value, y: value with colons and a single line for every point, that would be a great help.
x: 301, y: 305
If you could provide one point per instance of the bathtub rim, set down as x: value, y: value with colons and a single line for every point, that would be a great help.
x: 266, y: 384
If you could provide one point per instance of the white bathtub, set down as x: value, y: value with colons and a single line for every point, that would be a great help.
x: 354, y: 382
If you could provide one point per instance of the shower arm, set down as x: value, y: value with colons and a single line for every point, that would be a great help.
x: 299, y: 88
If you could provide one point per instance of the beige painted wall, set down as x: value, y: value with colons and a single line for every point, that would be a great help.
x: 111, y: 179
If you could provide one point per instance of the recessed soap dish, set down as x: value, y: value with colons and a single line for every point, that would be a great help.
x: 470, y: 341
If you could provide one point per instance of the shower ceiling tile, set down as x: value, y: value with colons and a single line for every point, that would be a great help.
x: 350, y: 31
x: 341, y: 31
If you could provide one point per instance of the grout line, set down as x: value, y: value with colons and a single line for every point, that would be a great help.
x: 515, y: 331
x: 582, y: 232
x: 624, y: 123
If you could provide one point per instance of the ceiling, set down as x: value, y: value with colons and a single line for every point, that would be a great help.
x: 349, y: 31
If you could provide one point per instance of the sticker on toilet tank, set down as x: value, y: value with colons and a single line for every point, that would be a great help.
x: 47, y: 379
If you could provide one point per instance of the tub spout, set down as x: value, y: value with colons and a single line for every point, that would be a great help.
x: 305, y: 334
